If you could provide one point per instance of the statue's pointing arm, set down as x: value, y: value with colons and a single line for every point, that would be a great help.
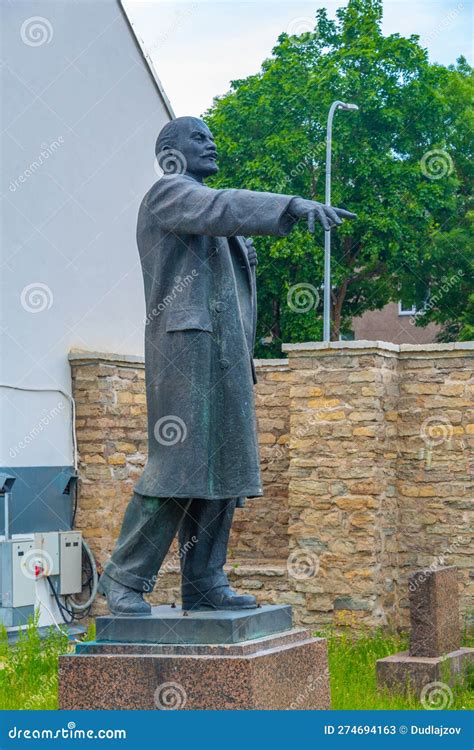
x: 185, y: 206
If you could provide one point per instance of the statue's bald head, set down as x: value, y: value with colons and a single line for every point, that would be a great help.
x: 171, y: 132
x: 192, y: 140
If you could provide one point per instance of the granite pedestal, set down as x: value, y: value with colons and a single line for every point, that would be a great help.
x: 251, y: 659
x: 435, y: 653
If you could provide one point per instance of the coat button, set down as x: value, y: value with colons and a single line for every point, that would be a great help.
x: 219, y: 306
x: 224, y: 363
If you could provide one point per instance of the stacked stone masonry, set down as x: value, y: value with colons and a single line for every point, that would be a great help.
x: 366, y: 455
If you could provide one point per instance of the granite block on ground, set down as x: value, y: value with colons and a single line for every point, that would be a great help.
x: 435, y: 654
x: 402, y: 673
x: 434, y: 612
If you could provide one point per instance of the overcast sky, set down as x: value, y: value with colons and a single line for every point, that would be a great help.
x: 198, y: 47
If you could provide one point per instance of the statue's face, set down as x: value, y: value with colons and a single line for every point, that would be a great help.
x: 197, y: 145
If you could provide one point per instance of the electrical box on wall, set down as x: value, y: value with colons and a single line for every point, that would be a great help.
x: 23, y: 578
x: 47, y: 546
x: 70, y: 562
x: 26, y: 562
x: 17, y: 590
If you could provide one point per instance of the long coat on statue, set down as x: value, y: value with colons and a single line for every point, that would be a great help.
x: 199, y: 336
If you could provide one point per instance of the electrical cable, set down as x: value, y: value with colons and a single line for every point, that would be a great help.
x: 71, y: 609
x: 42, y: 604
x: 74, y: 507
x: 66, y: 613
x: 81, y: 606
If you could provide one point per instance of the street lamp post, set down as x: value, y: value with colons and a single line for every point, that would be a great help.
x: 327, y: 234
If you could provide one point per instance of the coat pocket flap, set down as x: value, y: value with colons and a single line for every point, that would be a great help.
x: 190, y: 319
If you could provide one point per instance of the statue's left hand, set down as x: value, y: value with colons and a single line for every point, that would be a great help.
x: 251, y: 252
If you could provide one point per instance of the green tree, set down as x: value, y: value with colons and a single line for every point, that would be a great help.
x: 270, y: 130
x: 445, y: 266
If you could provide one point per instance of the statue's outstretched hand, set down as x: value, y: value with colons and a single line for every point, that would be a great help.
x: 328, y: 216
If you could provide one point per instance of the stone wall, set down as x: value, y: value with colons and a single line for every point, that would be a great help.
x: 365, y: 459
x: 380, y: 480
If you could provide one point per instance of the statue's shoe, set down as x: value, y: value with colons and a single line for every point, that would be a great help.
x: 122, y: 600
x: 221, y: 598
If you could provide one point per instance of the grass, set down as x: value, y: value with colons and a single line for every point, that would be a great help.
x: 28, y: 670
x: 352, y: 659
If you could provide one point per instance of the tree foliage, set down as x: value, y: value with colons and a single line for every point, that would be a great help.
x: 403, y: 163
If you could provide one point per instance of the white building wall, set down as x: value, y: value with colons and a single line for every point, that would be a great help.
x: 79, y: 128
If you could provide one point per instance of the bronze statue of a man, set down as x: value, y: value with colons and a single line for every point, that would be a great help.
x: 199, y: 278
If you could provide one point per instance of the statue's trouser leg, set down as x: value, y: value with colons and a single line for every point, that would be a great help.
x: 203, y: 539
x: 148, y: 528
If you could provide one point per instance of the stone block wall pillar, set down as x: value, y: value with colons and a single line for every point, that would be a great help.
x: 342, y: 475
x: 435, y: 466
